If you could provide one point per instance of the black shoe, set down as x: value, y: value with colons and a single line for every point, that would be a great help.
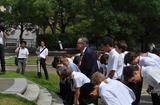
x: 39, y: 74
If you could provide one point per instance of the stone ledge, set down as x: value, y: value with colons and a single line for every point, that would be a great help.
x: 19, y: 86
x: 45, y: 98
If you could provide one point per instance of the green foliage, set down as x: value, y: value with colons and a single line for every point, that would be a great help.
x: 10, y: 99
x: 132, y: 20
x: 68, y: 40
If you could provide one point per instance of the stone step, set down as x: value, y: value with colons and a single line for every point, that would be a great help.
x: 31, y: 93
x: 45, y: 98
x: 56, y: 100
x: 19, y: 86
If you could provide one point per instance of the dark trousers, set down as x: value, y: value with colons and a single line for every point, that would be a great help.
x: 155, y: 99
x: 2, y: 60
x: 21, y: 65
x: 136, y: 88
x: 43, y: 65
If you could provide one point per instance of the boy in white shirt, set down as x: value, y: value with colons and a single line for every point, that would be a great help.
x: 115, y: 63
x: 112, y: 92
x: 42, y: 53
x: 22, y: 53
x: 150, y: 74
x: 77, y: 80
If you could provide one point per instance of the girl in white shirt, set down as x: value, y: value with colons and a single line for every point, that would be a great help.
x: 22, y: 53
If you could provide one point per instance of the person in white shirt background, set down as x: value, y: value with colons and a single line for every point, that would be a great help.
x: 112, y: 92
x: 2, y: 39
x: 42, y: 53
x: 22, y: 53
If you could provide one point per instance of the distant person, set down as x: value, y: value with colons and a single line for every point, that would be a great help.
x: 3, y: 36
x: 89, y: 62
x: 22, y: 53
x: 42, y: 53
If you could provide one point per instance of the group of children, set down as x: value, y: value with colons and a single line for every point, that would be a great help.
x: 118, y: 80
x: 22, y: 56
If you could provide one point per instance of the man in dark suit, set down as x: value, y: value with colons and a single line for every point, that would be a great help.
x: 89, y: 62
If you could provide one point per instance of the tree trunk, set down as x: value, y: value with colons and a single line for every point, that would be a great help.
x: 21, y: 33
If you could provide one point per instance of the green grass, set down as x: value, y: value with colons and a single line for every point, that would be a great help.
x: 31, y: 60
x: 52, y: 84
x: 10, y: 99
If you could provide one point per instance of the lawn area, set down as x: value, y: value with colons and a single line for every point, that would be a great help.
x: 9, y: 99
x: 52, y: 84
x: 10, y: 60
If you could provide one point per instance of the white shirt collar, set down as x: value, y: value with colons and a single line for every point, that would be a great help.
x: 84, y: 49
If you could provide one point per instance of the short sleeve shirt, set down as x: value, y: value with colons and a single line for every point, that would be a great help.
x: 113, y: 62
x: 44, y: 53
x: 73, y: 67
x: 114, y: 92
x: 79, y: 79
x: 23, y: 53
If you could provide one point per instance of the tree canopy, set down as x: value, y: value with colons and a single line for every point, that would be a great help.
x: 132, y: 20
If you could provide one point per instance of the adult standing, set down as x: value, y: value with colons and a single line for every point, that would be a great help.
x: 42, y: 53
x: 2, y: 38
x: 88, y: 63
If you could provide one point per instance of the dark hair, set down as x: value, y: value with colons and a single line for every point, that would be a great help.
x: 129, y: 57
x: 156, y: 51
x: 122, y: 44
x: 55, y: 61
x: 107, y: 41
x: 128, y: 71
x: 85, y: 90
x: 2, y: 28
x: 77, y: 59
x: 23, y: 42
x: 104, y: 58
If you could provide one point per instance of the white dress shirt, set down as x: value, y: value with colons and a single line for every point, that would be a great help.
x: 23, y: 53
x: 114, y: 92
x: 148, y: 61
x: 44, y: 53
x: 79, y: 79
x: 151, y: 75
x: 1, y: 38
x: 115, y: 63
x: 73, y: 67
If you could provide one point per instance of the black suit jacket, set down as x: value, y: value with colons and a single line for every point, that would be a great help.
x: 89, y: 62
